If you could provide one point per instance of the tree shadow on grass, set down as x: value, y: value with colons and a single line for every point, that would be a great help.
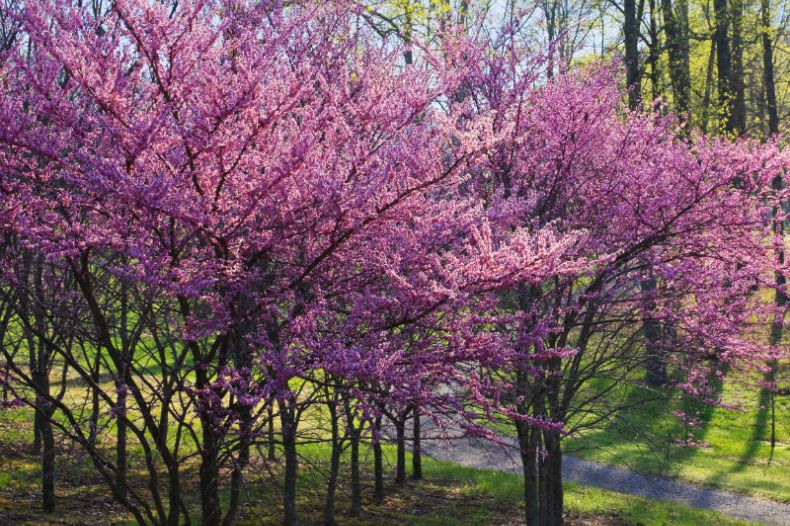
x: 753, y: 444
x: 758, y: 432
x: 646, y: 437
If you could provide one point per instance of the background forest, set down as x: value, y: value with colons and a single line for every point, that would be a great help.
x: 724, y: 64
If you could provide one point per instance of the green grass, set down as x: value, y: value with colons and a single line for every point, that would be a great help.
x: 450, y: 494
x: 738, y: 458
x: 581, y: 500
x: 735, y: 455
x: 734, y: 451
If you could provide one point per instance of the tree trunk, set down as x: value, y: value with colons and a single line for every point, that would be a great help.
x: 541, y: 455
x: 780, y: 302
x: 44, y: 412
x: 654, y: 53
x: 550, y: 17
x: 288, y: 424
x: 242, y: 459
x: 400, y: 440
x: 550, y: 458
x: 209, y: 475
x: 94, y: 418
x: 552, y: 478
x: 528, y: 449
x: 408, y: 56
x: 631, y: 33
x: 708, y: 87
x: 37, y: 424
x: 543, y: 493
x: 356, y: 485
x: 334, y: 468
x: 378, y: 464
x: 677, y: 42
x: 768, y: 67
x: 48, y: 465
x: 780, y: 299
x: 737, y: 73
x: 416, y: 454
x: 174, y: 496
x: 655, y: 363
x: 723, y: 65
x: 271, y: 453
x: 120, y: 443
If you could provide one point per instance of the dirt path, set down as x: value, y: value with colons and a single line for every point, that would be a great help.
x: 482, y: 454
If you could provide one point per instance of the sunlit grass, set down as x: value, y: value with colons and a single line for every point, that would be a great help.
x: 736, y: 454
x: 450, y: 494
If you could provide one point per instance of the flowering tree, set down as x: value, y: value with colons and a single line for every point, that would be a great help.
x: 242, y: 199
x: 644, y: 205
x: 251, y: 209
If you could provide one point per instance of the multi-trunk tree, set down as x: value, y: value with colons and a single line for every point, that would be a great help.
x: 244, y: 203
x: 255, y: 211
x: 643, y: 201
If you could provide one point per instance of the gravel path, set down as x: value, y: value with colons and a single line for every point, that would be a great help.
x: 483, y: 454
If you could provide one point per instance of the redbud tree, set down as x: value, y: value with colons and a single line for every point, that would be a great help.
x: 247, y: 197
x: 248, y: 209
x: 646, y: 201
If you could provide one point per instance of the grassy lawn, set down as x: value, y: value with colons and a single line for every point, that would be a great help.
x: 737, y: 457
x: 449, y: 495
x: 735, y: 453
